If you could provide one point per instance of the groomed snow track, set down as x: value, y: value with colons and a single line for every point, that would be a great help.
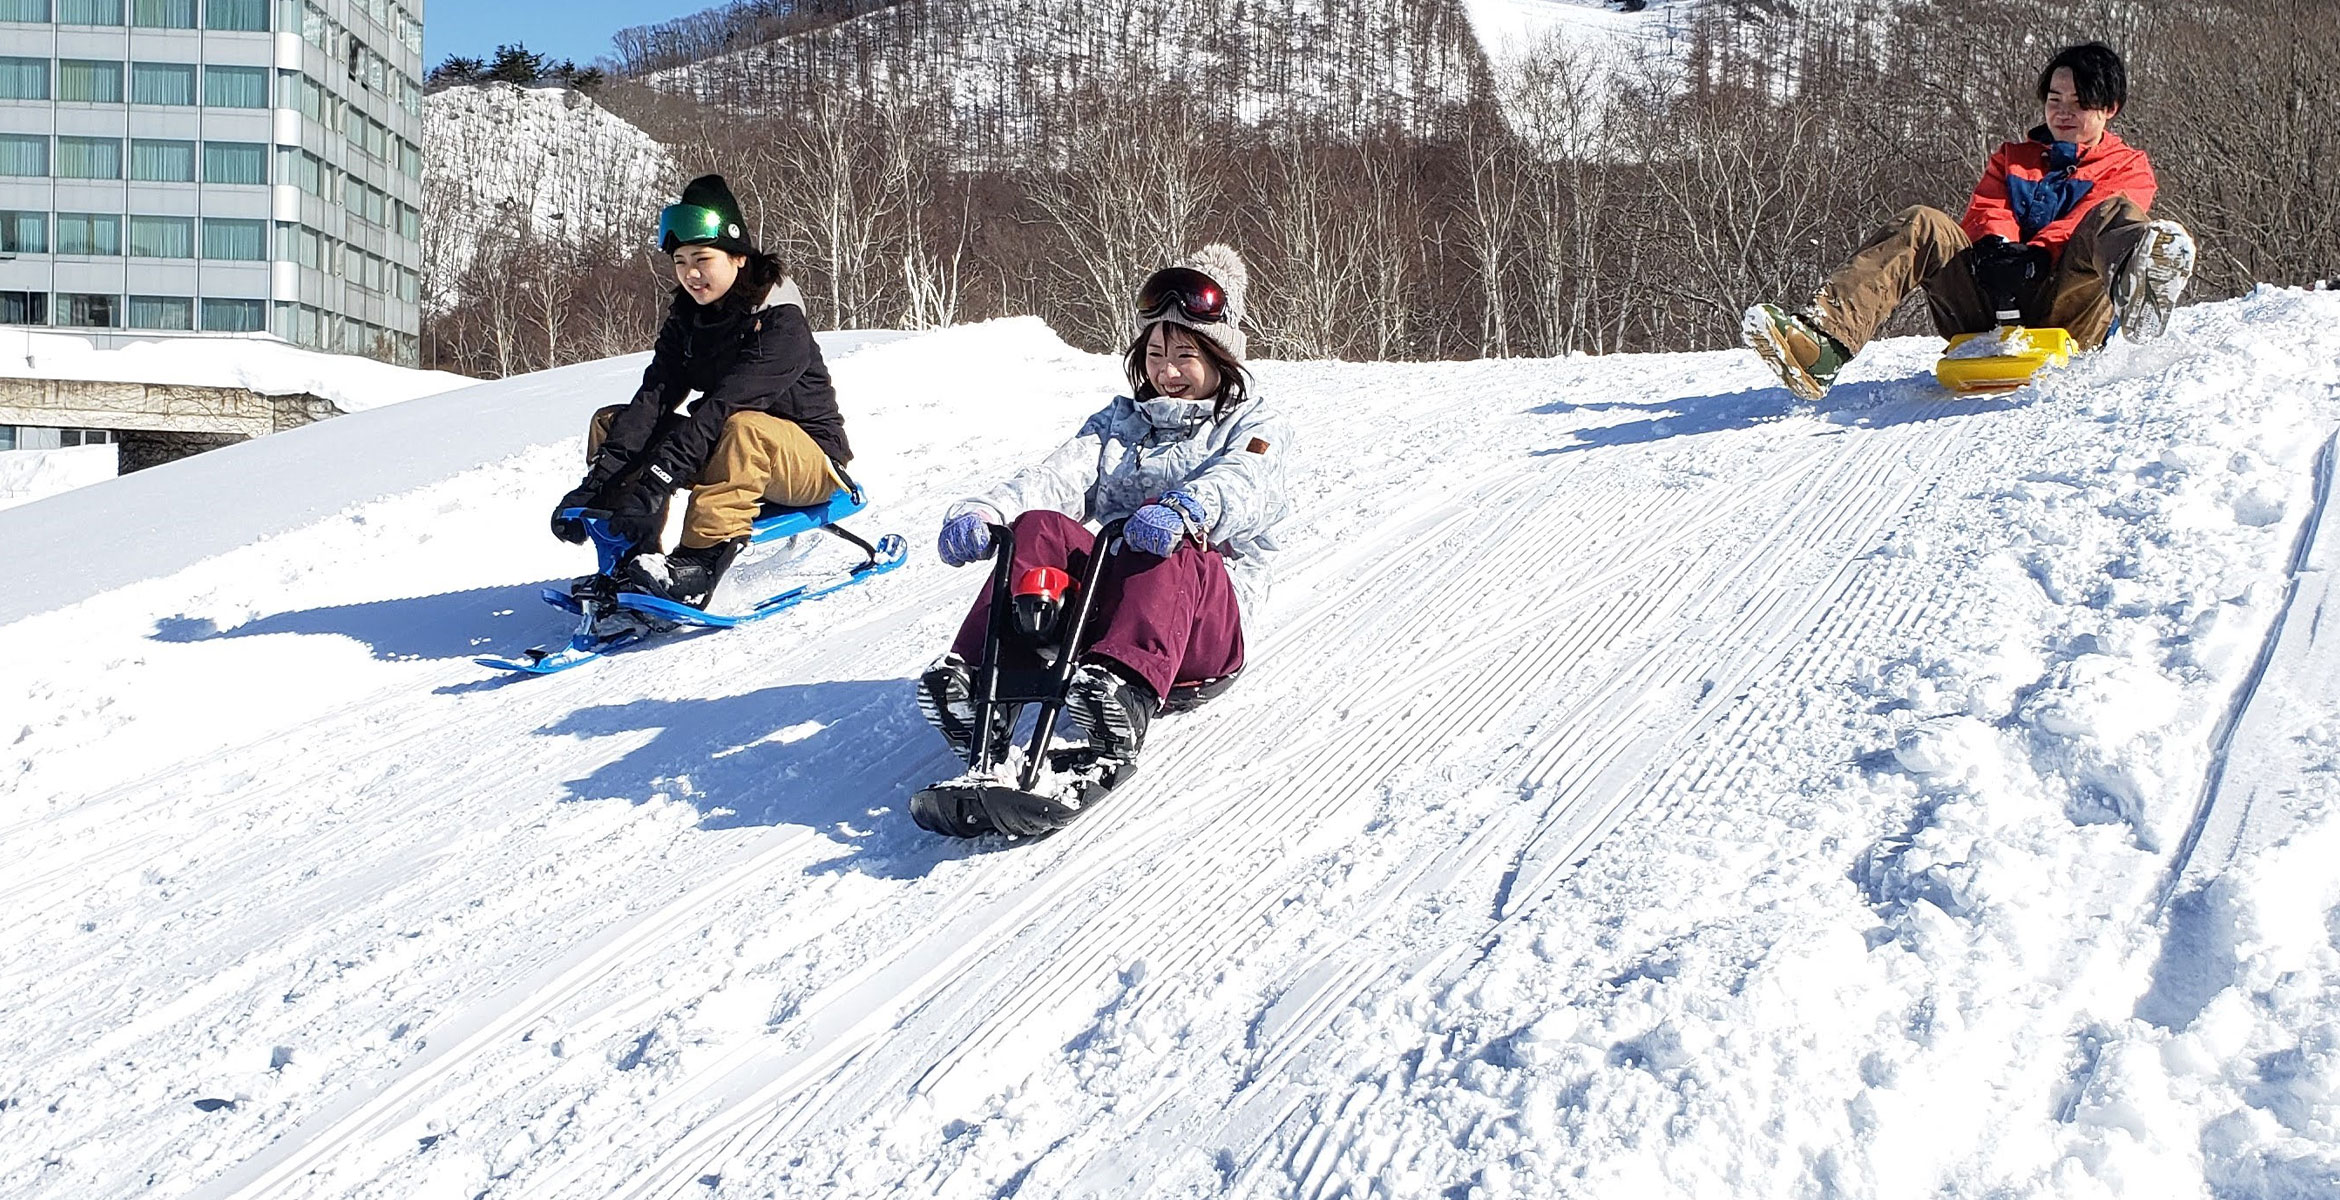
x: 378, y: 925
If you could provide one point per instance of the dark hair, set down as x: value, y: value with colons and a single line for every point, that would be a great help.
x: 2097, y: 75
x: 1234, y: 382
x: 756, y: 277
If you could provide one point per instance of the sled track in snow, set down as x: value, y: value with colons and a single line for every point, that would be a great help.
x: 1675, y: 573
x: 2206, y: 805
x: 1646, y: 764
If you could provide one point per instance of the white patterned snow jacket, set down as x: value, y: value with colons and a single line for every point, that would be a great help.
x: 1131, y: 452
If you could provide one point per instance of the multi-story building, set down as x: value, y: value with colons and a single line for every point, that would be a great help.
x: 214, y: 165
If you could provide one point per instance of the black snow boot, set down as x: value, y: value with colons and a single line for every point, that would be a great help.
x: 687, y: 576
x: 1112, y: 710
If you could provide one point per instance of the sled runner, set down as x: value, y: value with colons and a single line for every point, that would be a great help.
x: 610, y: 619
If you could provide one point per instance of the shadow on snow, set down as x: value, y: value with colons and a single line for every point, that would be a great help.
x: 1874, y: 404
x: 490, y: 620
x: 840, y: 758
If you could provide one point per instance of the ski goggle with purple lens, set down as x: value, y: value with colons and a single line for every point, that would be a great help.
x: 690, y: 224
x: 1189, y: 291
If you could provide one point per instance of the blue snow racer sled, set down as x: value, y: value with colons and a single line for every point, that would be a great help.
x: 609, y: 619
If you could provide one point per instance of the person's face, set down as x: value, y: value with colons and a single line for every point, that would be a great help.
x: 1177, y: 367
x: 2067, y: 120
x: 705, y: 272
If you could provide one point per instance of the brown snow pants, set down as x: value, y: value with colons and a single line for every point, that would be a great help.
x: 760, y: 457
x: 1924, y: 248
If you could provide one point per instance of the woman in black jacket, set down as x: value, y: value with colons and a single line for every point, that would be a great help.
x: 765, y: 426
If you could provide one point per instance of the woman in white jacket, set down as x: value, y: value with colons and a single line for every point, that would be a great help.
x: 1195, y: 465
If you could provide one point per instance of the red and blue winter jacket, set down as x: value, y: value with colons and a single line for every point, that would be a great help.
x: 2037, y: 190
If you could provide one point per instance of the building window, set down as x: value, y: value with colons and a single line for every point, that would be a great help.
x: 162, y: 312
x: 241, y: 16
x: 162, y: 237
x: 300, y: 244
x: 235, y: 162
x: 235, y: 316
x: 92, y: 310
x: 162, y: 83
x: 24, y: 78
x: 89, y: 233
x: 235, y: 239
x: 89, y: 12
x: 24, y: 154
x: 89, y: 81
x: 163, y: 14
x: 86, y: 437
x: 25, y: 10
x: 235, y: 87
x: 156, y: 161
x: 89, y: 157
x: 301, y: 169
x: 24, y: 233
x: 24, y: 308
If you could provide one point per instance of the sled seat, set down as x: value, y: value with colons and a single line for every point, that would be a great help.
x: 775, y: 521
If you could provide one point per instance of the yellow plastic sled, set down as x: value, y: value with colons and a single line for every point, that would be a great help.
x: 2002, y: 360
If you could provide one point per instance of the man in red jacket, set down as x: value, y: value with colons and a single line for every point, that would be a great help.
x: 2058, y: 225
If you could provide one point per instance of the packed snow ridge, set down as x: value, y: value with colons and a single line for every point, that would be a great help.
x: 1642, y: 786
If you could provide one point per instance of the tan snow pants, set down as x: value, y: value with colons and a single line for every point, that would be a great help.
x: 1925, y: 248
x: 760, y: 457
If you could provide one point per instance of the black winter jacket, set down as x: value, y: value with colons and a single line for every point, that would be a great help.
x: 744, y: 355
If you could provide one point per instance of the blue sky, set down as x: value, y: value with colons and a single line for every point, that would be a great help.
x: 578, y: 29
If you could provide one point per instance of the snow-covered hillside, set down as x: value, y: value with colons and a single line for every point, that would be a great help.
x: 501, y: 159
x: 1640, y: 787
x: 997, y: 63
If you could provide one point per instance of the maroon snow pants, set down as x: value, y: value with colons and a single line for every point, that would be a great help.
x: 1168, y: 620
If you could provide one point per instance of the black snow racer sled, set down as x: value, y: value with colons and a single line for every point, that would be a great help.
x: 609, y: 618
x: 1033, y: 789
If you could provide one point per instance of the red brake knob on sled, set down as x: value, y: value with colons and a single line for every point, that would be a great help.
x: 1039, y: 601
x: 1048, y: 583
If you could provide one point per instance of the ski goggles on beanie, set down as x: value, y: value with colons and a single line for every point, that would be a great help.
x: 691, y: 224
x: 1194, y: 294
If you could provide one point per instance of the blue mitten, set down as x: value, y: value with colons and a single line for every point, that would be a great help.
x: 966, y: 537
x: 1158, y: 527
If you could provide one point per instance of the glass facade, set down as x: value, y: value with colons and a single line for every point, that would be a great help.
x: 89, y: 81
x: 153, y: 160
x: 89, y: 233
x: 299, y: 154
x: 162, y: 83
x: 24, y: 78
x: 162, y: 312
x: 24, y: 233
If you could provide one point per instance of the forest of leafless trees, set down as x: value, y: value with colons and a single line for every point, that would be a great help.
x: 1401, y: 198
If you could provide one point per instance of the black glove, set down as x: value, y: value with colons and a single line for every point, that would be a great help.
x: 567, y: 528
x: 2007, y: 273
x: 606, y: 466
x: 638, y: 514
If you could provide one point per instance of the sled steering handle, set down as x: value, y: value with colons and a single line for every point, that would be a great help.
x: 1068, y: 651
x: 1003, y: 556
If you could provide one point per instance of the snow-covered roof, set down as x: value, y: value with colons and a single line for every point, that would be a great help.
x: 257, y: 363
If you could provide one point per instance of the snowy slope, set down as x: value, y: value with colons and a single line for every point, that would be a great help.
x: 1641, y: 787
x: 29, y: 475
